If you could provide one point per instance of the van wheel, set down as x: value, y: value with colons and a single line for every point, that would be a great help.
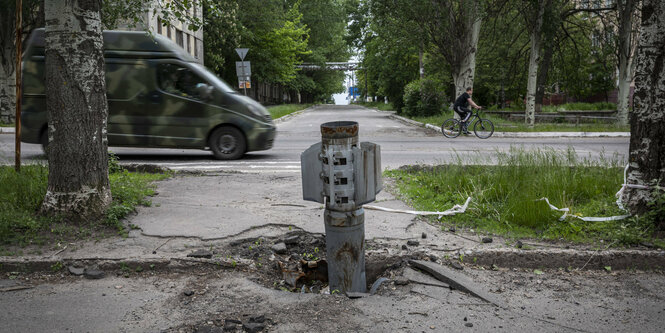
x: 43, y: 139
x: 227, y: 143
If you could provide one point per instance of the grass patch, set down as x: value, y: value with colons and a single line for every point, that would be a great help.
x: 6, y: 125
x: 505, y: 196
x: 21, y: 195
x: 377, y: 105
x: 503, y: 125
x: 602, y: 106
x: 282, y: 110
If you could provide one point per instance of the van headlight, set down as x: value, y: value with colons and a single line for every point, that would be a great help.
x: 259, y: 113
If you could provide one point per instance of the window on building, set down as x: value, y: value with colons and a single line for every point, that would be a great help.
x: 168, y: 31
x: 189, y: 49
x: 159, y: 25
x: 196, y: 49
x: 178, y: 37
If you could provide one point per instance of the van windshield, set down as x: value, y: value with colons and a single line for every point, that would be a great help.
x: 212, y: 78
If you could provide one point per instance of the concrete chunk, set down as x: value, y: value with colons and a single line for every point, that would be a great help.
x: 456, y: 280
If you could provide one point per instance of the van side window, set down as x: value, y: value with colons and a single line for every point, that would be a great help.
x: 180, y: 81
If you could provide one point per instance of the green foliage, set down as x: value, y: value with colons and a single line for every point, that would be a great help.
x: 505, y: 196
x: 423, y: 98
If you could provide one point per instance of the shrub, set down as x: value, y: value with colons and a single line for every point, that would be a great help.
x: 423, y: 98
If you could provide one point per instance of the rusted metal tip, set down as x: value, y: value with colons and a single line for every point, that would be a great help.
x: 339, y: 129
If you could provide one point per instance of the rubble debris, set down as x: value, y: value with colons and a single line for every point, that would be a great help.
x: 78, y: 271
x: 201, y: 254
x: 487, y: 240
x: 456, y: 265
x: 456, y: 280
x: 423, y: 236
x: 292, y: 240
x: 279, y: 248
x: 188, y: 293
x: 93, y: 274
x: 412, y: 243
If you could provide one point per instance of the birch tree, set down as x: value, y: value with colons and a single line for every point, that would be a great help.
x: 647, y: 141
x: 535, y: 13
x: 78, y: 182
x: 627, y: 43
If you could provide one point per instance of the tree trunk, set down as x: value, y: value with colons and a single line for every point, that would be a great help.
x: 626, y: 49
x: 647, y: 141
x: 543, y: 71
x: 464, y: 72
x: 78, y: 182
x: 534, y: 59
x: 7, y: 61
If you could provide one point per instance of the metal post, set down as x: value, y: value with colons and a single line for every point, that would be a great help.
x: 17, y: 121
x: 344, y: 220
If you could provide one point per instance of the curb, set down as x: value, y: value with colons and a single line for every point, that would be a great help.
x: 25, y: 265
x: 549, y: 134
x: 564, y: 258
x: 7, y: 130
x: 501, y: 257
x: 408, y: 121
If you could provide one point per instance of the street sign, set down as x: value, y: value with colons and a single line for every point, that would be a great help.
x: 244, y: 84
x: 242, y: 53
x: 243, y: 68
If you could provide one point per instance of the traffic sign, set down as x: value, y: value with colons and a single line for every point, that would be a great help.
x: 242, y: 53
x: 243, y: 68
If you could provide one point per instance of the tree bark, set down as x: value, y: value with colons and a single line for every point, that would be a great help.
x: 535, y: 36
x: 647, y: 141
x: 626, y: 49
x: 543, y: 73
x: 78, y: 182
x: 464, y: 71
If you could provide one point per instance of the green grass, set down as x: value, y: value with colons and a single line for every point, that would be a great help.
x: 6, y: 125
x: 503, y: 125
x: 279, y: 111
x: 505, y: 196
x: 21, y: 195
x: 603, y: 106
x: 378, y: 105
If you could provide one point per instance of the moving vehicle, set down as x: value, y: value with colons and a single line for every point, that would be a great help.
x: 158, y: 97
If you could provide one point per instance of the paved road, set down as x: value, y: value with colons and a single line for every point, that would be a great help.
x: 401, y: 144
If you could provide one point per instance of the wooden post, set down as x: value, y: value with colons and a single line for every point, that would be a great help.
x: 17, y: 121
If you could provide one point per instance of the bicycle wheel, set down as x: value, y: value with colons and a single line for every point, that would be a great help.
x: 451, y: 128
x: 483, y: 128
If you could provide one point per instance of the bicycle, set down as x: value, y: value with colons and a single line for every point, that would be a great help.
x: 482, y: 128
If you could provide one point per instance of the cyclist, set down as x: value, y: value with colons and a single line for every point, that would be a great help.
x: 461, y: 106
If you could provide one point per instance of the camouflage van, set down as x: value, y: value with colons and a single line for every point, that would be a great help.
x: 159, y: 97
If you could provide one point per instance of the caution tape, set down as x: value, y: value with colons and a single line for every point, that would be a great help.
x: 457, y: 209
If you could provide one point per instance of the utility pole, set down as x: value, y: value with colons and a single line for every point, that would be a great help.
x: 17, y: 121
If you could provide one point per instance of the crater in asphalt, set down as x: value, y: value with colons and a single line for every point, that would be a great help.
x: 296, y: 262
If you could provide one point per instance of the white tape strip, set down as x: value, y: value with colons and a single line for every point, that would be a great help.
x: 457, y: 209
x: 586, y: 219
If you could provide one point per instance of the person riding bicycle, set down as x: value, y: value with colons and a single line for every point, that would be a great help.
x: 461, y: 106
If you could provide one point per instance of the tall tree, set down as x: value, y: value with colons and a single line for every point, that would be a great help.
x: 627, y: 43
x: 534, y: 16
x: 647, y: 140
x: 78, y: 182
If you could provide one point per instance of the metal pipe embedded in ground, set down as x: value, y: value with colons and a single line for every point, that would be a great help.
x: 344, y: 175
